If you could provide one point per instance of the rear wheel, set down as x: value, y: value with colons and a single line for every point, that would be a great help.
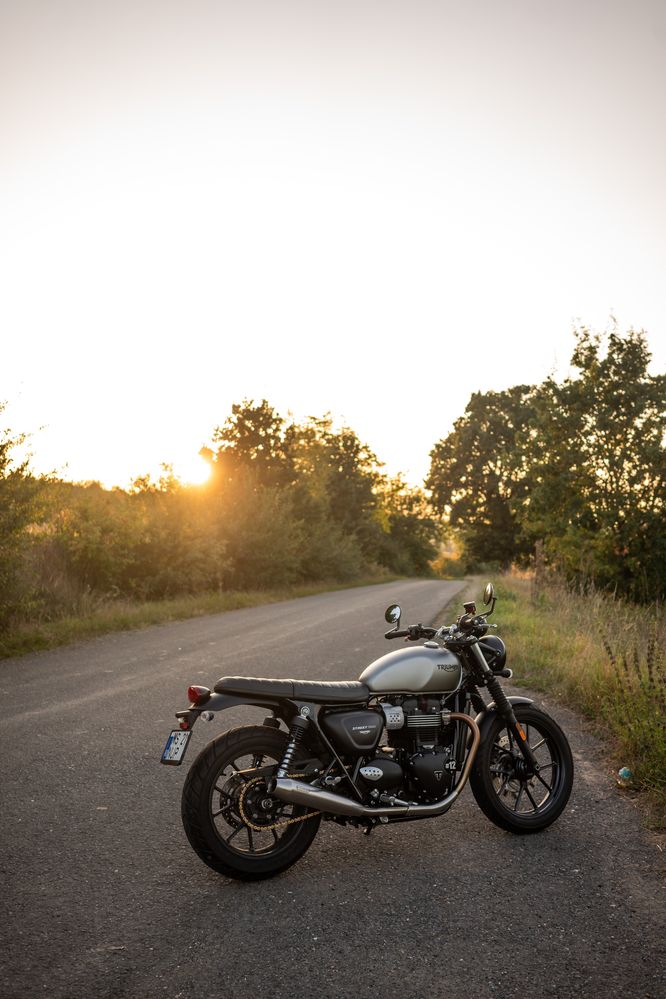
x: 230, y: 819
x: 506, y: 791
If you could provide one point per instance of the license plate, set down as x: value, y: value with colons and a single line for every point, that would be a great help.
x: 175, y: 748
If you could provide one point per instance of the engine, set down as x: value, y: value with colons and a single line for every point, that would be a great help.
x: 419, y: 760
x: 421, y: 738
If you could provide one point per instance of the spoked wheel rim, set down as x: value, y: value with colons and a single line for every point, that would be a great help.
x: 237, y: 795
x: 525, y: 794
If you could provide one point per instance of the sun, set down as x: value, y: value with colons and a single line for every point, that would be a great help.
x: 193, y: 471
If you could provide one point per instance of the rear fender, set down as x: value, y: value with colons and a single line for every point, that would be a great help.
x: 281, y: 708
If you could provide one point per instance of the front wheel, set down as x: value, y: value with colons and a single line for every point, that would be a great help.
x: 231, y: 820
x: 505, y: 790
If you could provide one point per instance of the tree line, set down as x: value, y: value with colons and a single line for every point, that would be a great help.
x: 576, y: 468
x: 286, y: 502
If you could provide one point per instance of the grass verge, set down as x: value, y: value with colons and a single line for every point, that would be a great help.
x: 119, y: 615
x: 603, y: 657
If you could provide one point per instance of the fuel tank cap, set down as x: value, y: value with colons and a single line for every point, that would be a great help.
x: 430, y: 645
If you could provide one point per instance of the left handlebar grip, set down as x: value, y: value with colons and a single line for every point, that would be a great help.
x: 396, y: 634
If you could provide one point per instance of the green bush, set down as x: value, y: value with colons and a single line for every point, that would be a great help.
x: 286, y: 504
x: 18, y: 496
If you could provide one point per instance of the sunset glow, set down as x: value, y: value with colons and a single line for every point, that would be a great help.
x: 325, y: 210
x: 194, y: 472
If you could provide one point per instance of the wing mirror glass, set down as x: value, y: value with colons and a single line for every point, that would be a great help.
x: 488, y: 594
x: 393, y: 614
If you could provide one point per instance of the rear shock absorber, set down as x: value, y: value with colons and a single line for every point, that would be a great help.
x: 297, y: 730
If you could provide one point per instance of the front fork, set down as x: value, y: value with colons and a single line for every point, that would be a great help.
x: 505, y: 709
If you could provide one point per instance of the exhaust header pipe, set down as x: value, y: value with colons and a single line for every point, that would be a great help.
x: 296, y: 792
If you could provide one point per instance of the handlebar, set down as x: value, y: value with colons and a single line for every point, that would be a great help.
x: 475, y: 624
x: 413, y: 633
x: 467, y: 629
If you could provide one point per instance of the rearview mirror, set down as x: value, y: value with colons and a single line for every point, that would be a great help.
x: 488, y: 593
x: 393, y: 614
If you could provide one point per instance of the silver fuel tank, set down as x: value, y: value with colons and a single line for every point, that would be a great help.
x: 419, y: 670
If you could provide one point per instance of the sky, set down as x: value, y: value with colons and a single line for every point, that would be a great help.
x: 366, y: 208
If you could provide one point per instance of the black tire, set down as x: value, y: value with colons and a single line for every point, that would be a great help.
x: 210, y: 808
x: 509, y: 798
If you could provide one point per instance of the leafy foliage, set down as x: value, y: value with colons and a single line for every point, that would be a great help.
x: 286, y: 503
x: 18, y: 495
x: 579, y: 464
x: 251, y: 439
x: 411, y: 533
x: 598, y: 467
x: 478, y: 475
x: 331, y: 509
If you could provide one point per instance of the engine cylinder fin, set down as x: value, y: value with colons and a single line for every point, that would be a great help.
x: 424, y: 721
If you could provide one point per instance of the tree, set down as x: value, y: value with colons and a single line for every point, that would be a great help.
x: 328, y: 499
x: 353, y: 477
x: 178, y: 549
x: 332, y: 549
x: 252, y: 439
x: 580, y: 465
x: 263, y: 537
x: 478, y: 475
x: 598, y: 466
x: 18, y: 493
x: 411, y: 532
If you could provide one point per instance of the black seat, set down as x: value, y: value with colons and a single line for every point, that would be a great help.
x: 321, y: 692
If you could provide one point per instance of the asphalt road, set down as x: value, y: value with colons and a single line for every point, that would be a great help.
x: 103, y: 897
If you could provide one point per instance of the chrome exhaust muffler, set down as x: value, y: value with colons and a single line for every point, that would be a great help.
x: 296, y: 792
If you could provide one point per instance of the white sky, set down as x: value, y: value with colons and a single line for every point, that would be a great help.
x: 372, y: 208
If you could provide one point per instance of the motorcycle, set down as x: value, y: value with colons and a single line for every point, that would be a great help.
x: 396, y: 745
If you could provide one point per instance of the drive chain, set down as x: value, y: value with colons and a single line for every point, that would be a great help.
x: 274, y: 825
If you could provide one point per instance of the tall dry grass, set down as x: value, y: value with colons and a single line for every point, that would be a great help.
x: 99, y: 617
x: 603, y: 656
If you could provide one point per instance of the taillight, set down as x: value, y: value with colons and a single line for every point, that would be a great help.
x: 198, y: 695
